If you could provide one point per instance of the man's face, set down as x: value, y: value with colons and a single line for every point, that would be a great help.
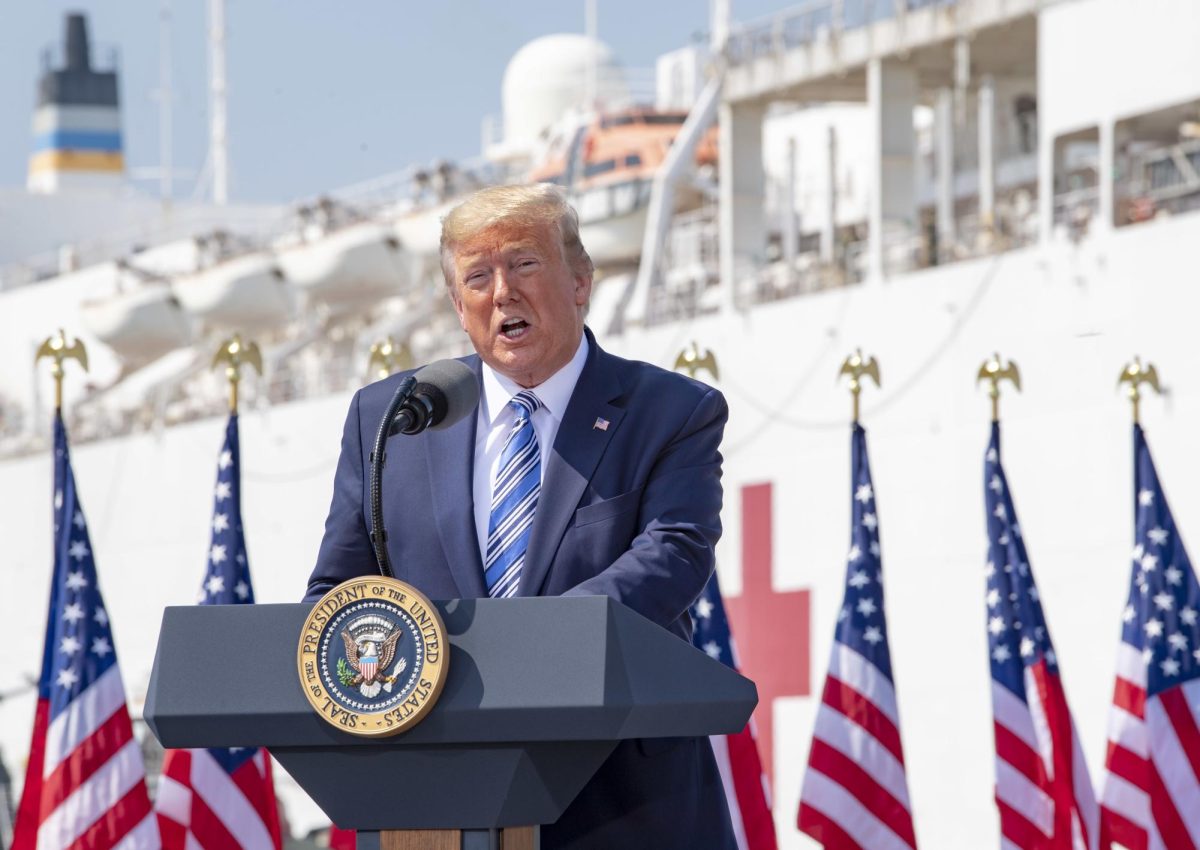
x: 519, y: 301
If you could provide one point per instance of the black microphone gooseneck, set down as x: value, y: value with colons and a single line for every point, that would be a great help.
x: 378, y: 458
x: 433, y: 398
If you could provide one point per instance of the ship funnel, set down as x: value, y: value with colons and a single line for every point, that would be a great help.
x: 77, y: 125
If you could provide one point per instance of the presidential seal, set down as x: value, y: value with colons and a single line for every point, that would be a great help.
x: 373, y: 656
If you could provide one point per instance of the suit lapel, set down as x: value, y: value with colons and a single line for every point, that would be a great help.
x: 577, y: 449
x: 451, y: 483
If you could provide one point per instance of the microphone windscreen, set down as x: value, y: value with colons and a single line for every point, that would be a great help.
x: 457, y: 384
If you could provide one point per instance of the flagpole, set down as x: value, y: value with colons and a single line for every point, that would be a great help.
x: 994, y: 370
x: 1135, y: 373
x: 856, y: 366
x: 57, y: 349
x: 232, y: 354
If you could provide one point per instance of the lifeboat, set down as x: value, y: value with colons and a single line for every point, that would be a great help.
x: 140, y: 320
x: 244, y: 292
x: 608, y: 169
x: 346, y: 268
x: 420, y: 232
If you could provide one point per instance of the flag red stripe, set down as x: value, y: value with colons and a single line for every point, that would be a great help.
x: 254, y: 788
x: 823, y: 829
x: 746, y: 770
x: 29, y: 812
x: 1058, y: 718
x: 1130, y: 697
x: 1119, y: 829
x: 117, y: 821
x: 1010, y: 748
x: 1170, y: 825
x: 858, y: 782
x: 173, y: 833
x: 86, y: 759
x: 1019, y: 829
x: 1129, y: 766
x: 849, y: 702
x: 272, y: 815
x: 177, y: 764
x: 1175, y: 705
x: 207, y: 827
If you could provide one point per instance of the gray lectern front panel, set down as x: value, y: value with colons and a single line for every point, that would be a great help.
x: 538, y: 693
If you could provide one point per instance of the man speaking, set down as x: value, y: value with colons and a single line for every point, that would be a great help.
x: 580, y: 474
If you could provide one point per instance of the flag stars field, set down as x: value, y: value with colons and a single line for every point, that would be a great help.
x: 855, y: 793
x: 737, y: 755
x: 81, y: 748
x: 1043, y: 791
x: 225, y: 790
x: 1151, y: 783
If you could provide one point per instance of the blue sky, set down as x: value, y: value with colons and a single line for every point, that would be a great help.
x: 322, y: 94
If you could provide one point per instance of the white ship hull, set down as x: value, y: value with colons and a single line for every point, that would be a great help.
x: 1070, y: 315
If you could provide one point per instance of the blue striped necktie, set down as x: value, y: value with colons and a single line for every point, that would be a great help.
x: 514, y: 500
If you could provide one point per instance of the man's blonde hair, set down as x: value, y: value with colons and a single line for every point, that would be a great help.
x: 513, y: 207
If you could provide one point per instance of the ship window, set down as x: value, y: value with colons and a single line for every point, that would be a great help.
x: 1157, y: 163
x: 594, y: 168
x: 665, y: 119
x: 633, y: 160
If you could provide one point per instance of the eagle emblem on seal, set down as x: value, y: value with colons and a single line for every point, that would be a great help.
x: 370, y: 648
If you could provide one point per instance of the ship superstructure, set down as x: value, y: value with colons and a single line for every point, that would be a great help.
x: 928, y: 179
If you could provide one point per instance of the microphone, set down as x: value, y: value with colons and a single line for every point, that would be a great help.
x: 434, y: 397
x: 445, y: 392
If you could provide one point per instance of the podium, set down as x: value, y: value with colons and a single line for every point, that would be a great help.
x: 538, y: 694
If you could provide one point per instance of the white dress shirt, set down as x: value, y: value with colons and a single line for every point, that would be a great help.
x: 496, y: 420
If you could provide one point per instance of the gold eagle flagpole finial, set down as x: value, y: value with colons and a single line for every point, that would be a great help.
x: 1135, y: 374
x: 59, y: 351
x: 690, y: 360
x: 856, y: 366
x: 388, y: 356
x: 232, y: 354
x: 994, y: 370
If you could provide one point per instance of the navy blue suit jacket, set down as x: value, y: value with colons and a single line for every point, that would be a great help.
x: 631, y: 511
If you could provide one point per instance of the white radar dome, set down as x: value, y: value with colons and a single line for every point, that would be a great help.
x: 549, y: 77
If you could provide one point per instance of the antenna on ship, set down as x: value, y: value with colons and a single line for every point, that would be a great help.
x: 232, y: 354
x: 1135, y: 374
x: 59, y: 350
x: 165, y: 107
x: 857, y: 367
x: 996, y: 370
x: 590, y: 29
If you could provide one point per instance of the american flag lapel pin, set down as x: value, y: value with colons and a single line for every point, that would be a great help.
x: 601, y: 424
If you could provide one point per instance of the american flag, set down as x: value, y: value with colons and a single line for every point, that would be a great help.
x: 221, y: 799
x: 855, y: 792
x: 737, y: 755
x: 85, y: 782
x: 1151, y: 796
x: 1043, y: 788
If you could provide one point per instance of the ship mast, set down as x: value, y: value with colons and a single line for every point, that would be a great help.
x: 218, y: 94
